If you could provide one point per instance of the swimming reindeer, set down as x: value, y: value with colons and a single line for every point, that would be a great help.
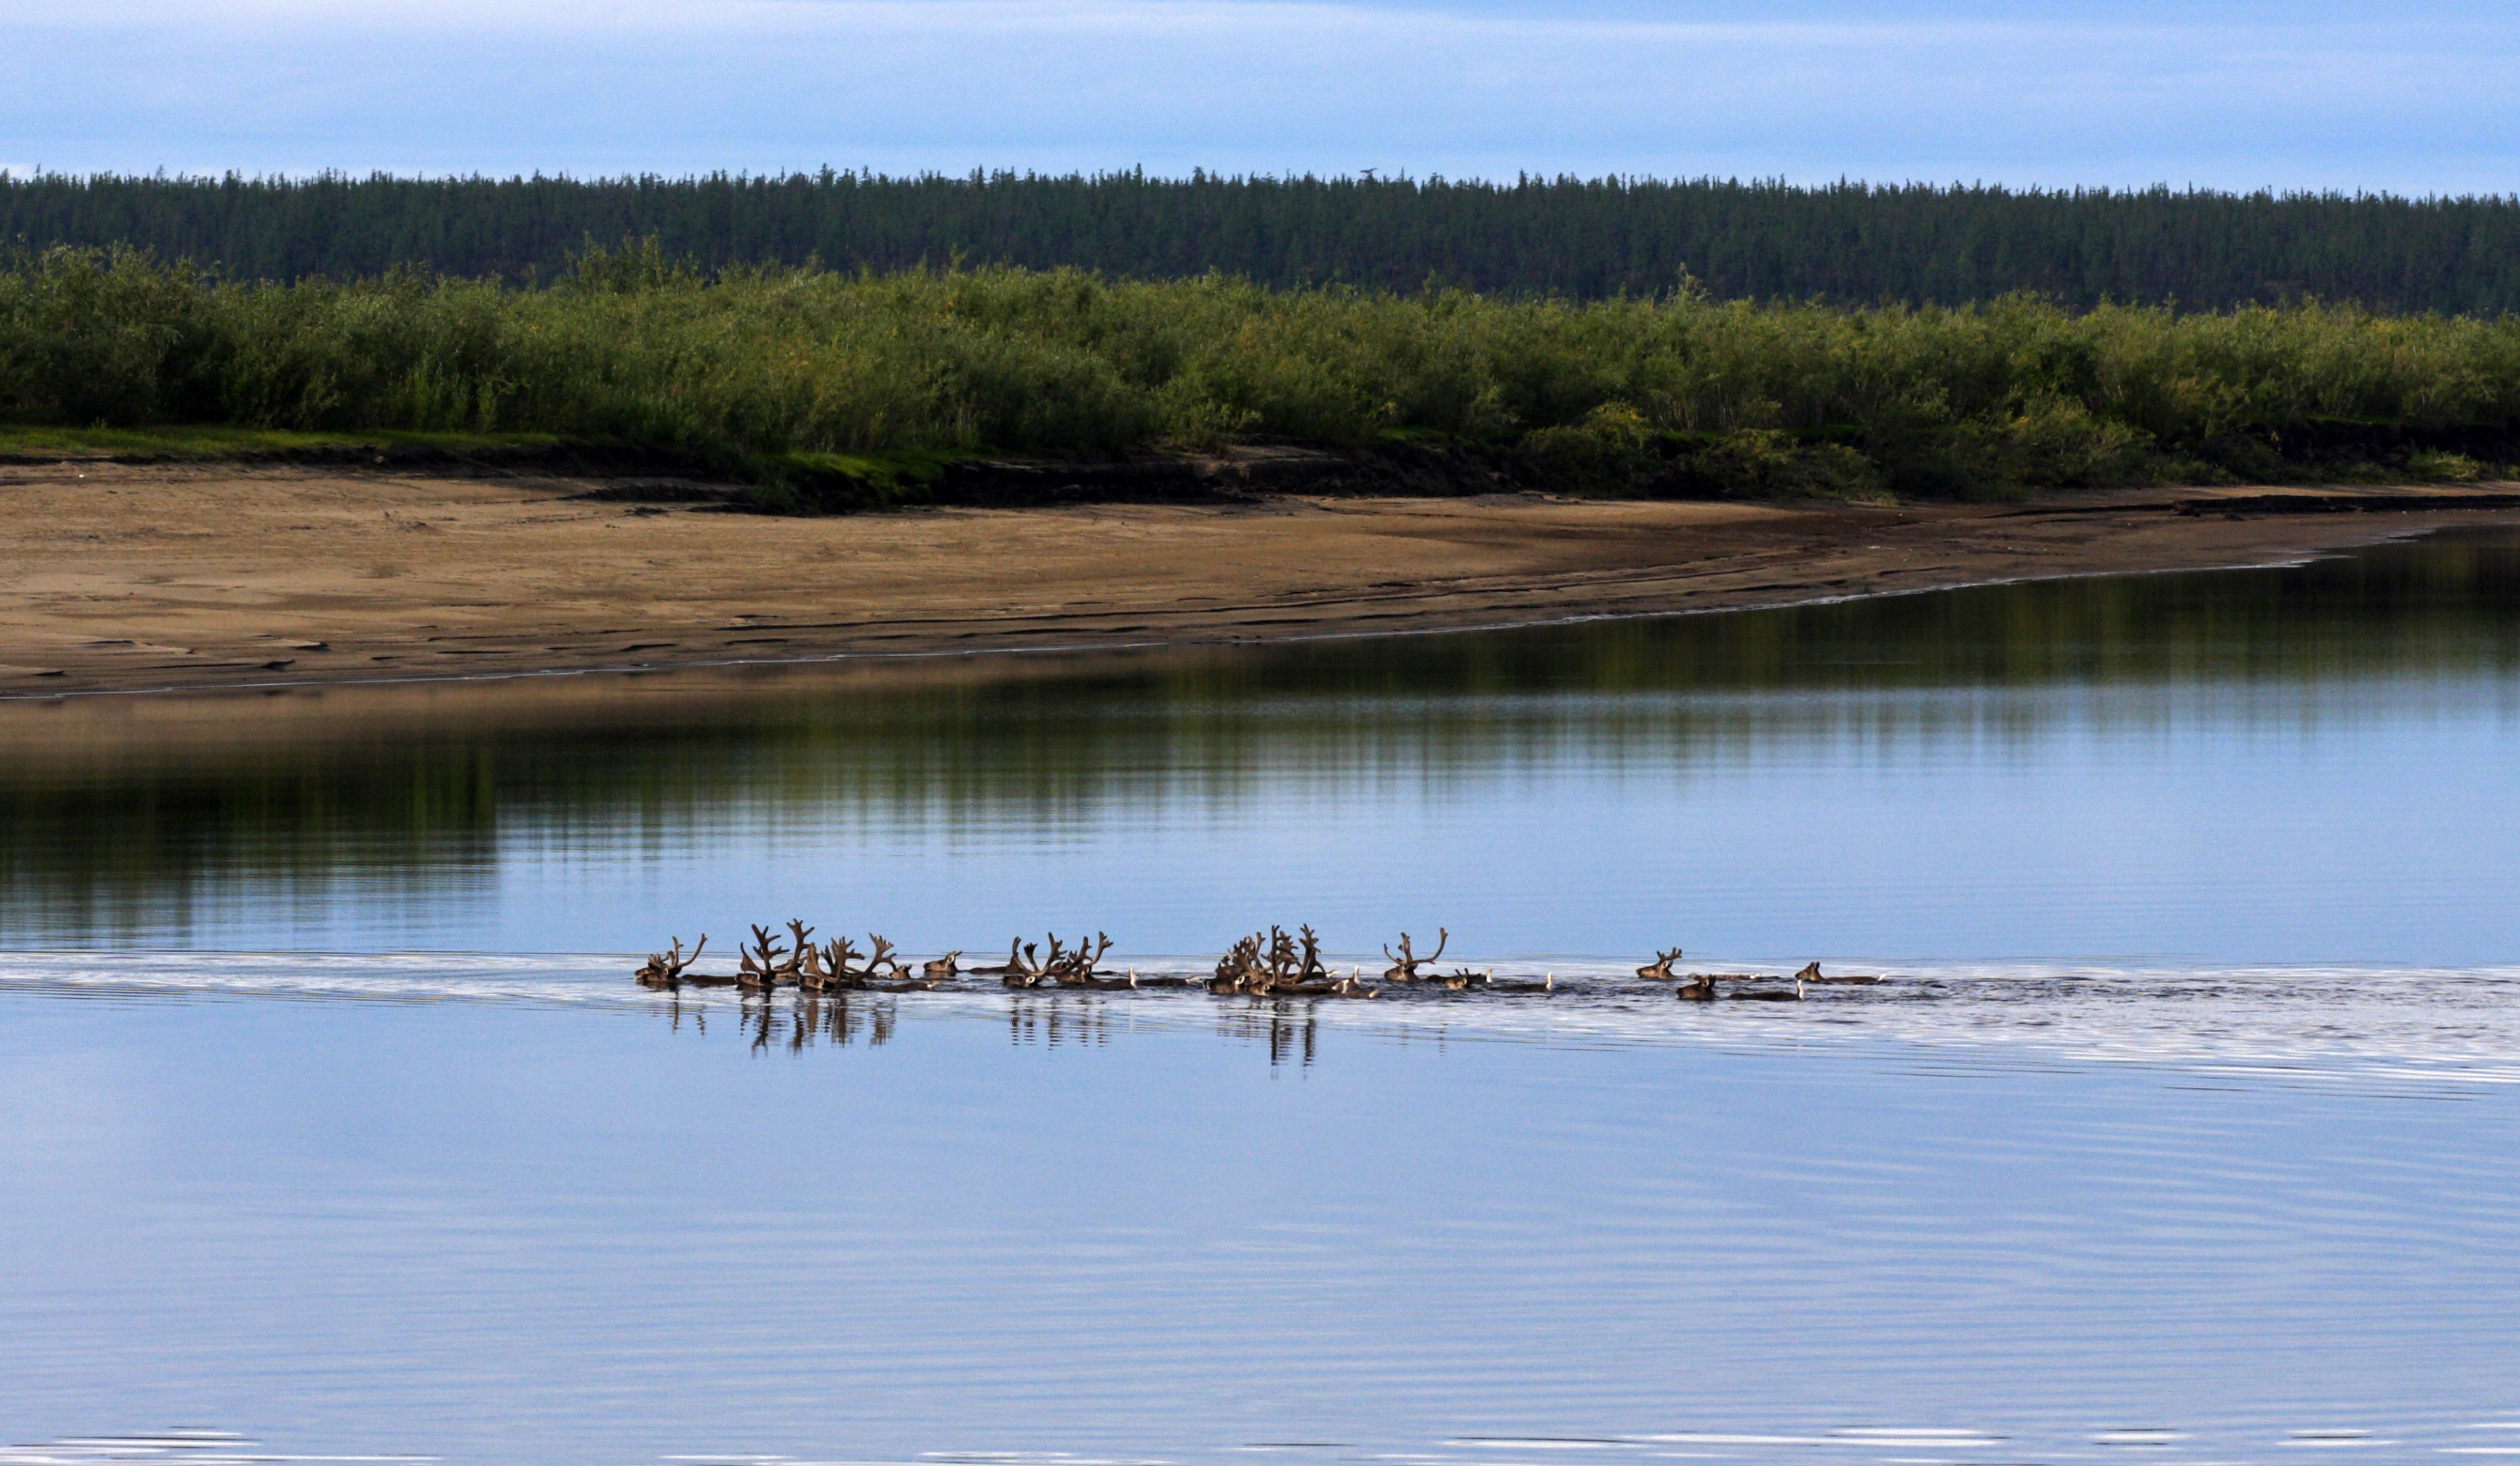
x: 1403, y: 967
x: 1793, y: 994
x: 765, y: 961
x: 1272, y: 964
x: 1011, y: 967
x: 1310, y: 969
x: 1244, y: 967
x: 838, y: 954
x: 811, y: 974
x: 665, y: 969
x: 1076, y: 968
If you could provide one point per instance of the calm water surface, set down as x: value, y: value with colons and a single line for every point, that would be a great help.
x: 2184, y: 1131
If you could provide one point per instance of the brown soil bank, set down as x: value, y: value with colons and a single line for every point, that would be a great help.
x: 125, y: 578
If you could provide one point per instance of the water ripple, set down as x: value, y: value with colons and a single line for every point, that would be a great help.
x: 2418, y: 1029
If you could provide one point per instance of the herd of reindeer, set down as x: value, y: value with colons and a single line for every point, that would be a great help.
x: 1269, y: 964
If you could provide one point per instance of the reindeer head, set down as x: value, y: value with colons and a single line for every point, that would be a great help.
x: 1403, y: 967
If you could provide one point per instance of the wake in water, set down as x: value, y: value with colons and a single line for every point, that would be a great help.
x: 2420, y: 1028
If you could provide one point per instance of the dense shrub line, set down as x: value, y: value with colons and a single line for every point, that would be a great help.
x: 1590, y: 239
x: 1672, y: 395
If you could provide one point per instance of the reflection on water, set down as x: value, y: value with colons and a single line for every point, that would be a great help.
x: 2308, y: 763
x: 531, y: 1229
x: 2176, y: 1131
x: 812, y: 1019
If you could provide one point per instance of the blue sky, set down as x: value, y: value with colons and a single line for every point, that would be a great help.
x: 2295, y: 93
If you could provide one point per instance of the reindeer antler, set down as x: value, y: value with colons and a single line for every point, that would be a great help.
x: 1311, y: 952
x: 1281, y: 954
x: 664, y: 969
x: 798, y: 930
x: 1403, y: 967
x: 1241, y: 962
x: 763, y: 956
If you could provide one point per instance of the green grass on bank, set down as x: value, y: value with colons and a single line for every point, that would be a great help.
x: 193, y: 442
x: 780, y: 482
x: 793, y: 483
x: 793, y: 377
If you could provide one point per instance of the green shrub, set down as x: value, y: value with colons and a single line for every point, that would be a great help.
x: 1675, y: 394
x: 1764, y: 463
x: 89, y: 338
x: 1611, y: 451
x: 2441, y: 467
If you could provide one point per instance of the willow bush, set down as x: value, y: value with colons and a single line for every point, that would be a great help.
x: 1672, y: 394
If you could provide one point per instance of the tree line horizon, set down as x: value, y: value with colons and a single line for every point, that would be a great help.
x: 1847, y: 243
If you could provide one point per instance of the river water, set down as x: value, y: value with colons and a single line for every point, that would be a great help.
x: 2181, y: 1128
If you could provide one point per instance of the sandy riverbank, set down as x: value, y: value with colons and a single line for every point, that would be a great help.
x: 125, y: 578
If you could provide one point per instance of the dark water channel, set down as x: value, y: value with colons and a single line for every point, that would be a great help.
x: 2184, y: 1131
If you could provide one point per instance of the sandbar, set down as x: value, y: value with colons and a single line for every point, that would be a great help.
x: 124, y: 578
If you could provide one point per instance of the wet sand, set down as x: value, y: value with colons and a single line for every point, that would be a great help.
x: 131, y: 578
